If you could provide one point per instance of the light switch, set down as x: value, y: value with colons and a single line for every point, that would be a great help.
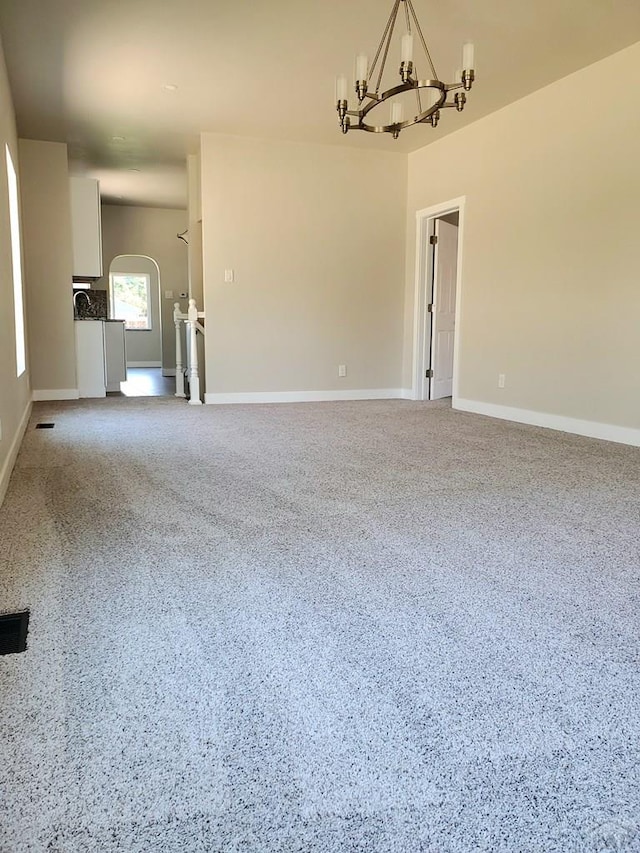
x: 228, y: 276
x: 168, y: 294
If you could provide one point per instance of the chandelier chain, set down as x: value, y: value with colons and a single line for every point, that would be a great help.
x: 389, y: 36
x: 419, y: 100
x: 406, y: 12
x: 392, y: 18
x: 424, y: 44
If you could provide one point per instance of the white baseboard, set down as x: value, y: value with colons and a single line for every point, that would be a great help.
x: 304, y: 396
x: 406, y: 394
x: 45, y: 394
x: 591, y: 429
x: 144, y: 364
x: 168, y: 371
x: 10, y: 461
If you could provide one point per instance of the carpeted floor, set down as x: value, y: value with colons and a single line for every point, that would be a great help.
x: 319, y: 628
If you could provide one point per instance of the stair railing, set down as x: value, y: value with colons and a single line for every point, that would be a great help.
x: 193, y: 326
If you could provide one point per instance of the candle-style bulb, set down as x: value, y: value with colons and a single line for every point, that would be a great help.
x: 468, y: 72
x: 406, y: 48
x: 341, y: 88
x: 397, y: 112
x: 362, y: 67
x: 468, y: 56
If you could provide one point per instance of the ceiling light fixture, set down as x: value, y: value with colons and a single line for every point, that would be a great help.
x: 431, y: 95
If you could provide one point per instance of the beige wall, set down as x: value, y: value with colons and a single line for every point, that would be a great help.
x: 15, y: 393
x: 195, y: 228
x: 48, y: 260
x: 316, y: 237
x: 143, y: 345
x: 150, y: 231
x: 551, y: 293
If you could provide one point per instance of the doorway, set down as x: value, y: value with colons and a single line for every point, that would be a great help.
x: 134, y: 296
x: 437, y: 300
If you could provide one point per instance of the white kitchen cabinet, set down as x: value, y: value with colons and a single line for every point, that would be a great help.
x: 90, y: 358
x: 115, y: 360
x: 101, y: 363
x: 86, y: 228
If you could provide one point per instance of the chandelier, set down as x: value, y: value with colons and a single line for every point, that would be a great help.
x: 431, y: 95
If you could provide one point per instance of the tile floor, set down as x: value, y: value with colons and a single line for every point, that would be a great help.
x: 146, y: 382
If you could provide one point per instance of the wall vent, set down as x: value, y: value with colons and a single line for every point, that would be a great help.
x: 13, y: 632
x: 45, y: 426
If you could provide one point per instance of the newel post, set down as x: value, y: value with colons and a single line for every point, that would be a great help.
x: 179, y: 367
x: 194, y: 377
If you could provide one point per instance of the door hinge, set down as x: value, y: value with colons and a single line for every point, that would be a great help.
x: 433, y: 239
x: 430, y: 308
x: 428, y: 374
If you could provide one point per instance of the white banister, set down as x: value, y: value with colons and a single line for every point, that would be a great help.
x: 177, y: 321
x: 192, y: 326
x: 194, y: 376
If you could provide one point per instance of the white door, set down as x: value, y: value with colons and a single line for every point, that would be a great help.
x: 445, y: 263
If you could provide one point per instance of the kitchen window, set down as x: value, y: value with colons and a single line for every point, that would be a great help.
x: 130, y: 297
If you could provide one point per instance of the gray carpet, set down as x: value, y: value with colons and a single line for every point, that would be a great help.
x: 328, y: 628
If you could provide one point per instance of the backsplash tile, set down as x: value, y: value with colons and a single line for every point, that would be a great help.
x: 95, y: 308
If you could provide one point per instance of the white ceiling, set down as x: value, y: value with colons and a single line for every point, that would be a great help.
x: 86, y: 72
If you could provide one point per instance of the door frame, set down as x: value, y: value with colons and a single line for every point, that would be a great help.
x: 425, y: 227
x: 159, y: 364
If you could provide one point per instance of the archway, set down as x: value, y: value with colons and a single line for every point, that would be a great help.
x: 134, y: 296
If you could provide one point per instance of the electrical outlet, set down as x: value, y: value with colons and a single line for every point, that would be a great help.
x: 168, y: 294
x: 229, y: 276
x: 501, y: 380
x: 342, y: 370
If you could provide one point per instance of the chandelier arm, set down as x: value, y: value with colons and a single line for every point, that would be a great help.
x: 387, y: 46
x: 391, y: 20
x: 424, y: 44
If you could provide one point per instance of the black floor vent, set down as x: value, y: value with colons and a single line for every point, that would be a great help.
x: 45, y: 426
x: 13, y: 632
